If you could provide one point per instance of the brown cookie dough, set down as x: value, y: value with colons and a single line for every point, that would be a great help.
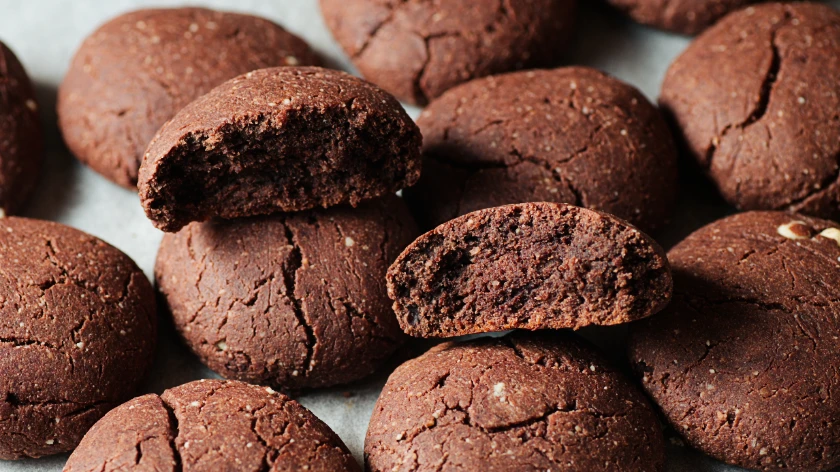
x: 293, y: 301
x: 21, y: 137
x: 136, y: 71
x: 417, y: 49
x: 527, y: 266
x: 679, y: 16
x: 77, y: 334
x: 212, y: 425
x: 525, y: 402
x: 756, y: 98
x: 744, y: 362
x: 573, y: 135
x: 282, y: 139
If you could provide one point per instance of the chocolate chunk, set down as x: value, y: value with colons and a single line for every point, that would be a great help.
x: 136, y: 71
x: 529, y: 266
x: 282, y: 139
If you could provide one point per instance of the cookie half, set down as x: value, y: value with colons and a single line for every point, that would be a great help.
x: 418, y: 49
x: 21, y: 136
x: 528, y: 266
x: 281, y: 139
x: 77, y: 334
x: 139, y: 69
x: 744, y: 361
x: 211, y: 425
x: 525, y: 402
x: 292, y: 301
x: 572, y: 135
x: 755, y: 101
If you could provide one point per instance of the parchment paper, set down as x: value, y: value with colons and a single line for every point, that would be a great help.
x: 45, y: 34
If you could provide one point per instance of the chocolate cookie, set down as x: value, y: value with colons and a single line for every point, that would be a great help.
x: 744, y: 361
x: 292, y: 301
x: 212, y: 425
x: 679, y: 16
x: 573, y: 135
x: 21, y: 137
x: 756, y: 98
x: 527, y: 266
x: 282, y: 139
x: 418, y: 49
x: 136, y: 71
x: 525, y: 402
x: 77, y: 334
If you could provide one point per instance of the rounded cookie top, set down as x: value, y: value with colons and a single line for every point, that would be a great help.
x: 281, y: 139
x: 21, y: 136
x: 309, y: 284
x: 744, y: 360
x: 77, y: 334
x: 527, y: 266
x: 756, y: 99
x: 136, y: 71
x: 573, y: 135
x: 525, y: 402
x: 418, y: 49
x: 679, y: 16
x: 211, y: 425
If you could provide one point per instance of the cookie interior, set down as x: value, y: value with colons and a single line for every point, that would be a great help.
x: 529, y: 266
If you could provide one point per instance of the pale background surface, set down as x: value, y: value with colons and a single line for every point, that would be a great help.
x: 45, y: 34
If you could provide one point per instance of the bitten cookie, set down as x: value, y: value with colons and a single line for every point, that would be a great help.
x: 744, y: 362
x: 527, y: 266
x: 212, y: 425
x: 525, y: 402
x: 573, y: 135
x: 418, y: 49
x: 679, y: 16
x: 77, y: 334
x: 282, y: 139
x: 756, y: 98
x: 136, y: 71
x: 293, y: 301
x: 21, y: 136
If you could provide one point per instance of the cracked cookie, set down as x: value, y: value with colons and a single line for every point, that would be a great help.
x: 757, y: 100
x: 417, y: 49
x: 524, y: 402
x: 527, y: 266
x: 744, y: 361
x: 572, y: 135
x: 290, y: 300
x: 679, y: 16
x: 136, y: 71
x: 281, y: 139
x: 212, y: 425
x: 77, y: 334
x: 21, y: 136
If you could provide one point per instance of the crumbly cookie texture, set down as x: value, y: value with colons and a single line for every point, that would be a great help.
x: 293, y: 301
x: 744, y: 361
x: 679, y: 16
x: 755, y: 100
x: 527, y: 266
x: 77, y: 334
x: 418, y: 49
x: 21, y: 136
x: 139, y: 69
x: 572, y: 135
x: 211, y: 425
x: 281, y: 139
x: 525, y: 402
